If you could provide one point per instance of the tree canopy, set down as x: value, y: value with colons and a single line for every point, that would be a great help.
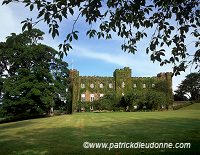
x: 171, y: 22
x: 32, y: 77
x: 190, y: 87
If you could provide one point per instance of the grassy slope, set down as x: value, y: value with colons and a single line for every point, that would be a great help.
x: 195, y: 106
x: 66, y: 134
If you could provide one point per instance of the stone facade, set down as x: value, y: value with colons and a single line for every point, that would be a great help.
x: 89, y: 88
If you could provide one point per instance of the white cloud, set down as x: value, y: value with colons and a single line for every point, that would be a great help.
x: 9, y: 23
x: 140, y: 64
x: 11, y: 17
x: 138, y: 61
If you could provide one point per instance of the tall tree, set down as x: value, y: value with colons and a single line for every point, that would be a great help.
x: 29, y: 85
x: 190, y: 87
x: 171, y: 21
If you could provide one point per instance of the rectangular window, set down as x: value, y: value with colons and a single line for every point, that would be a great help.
x: 123, y: 84
x: 91, y: 97
x: 101, y: 95
x: 82, y: 85
x: 82, y: 97
x: 101, y: 85
x: 110, y: 85
x: 91, y: 85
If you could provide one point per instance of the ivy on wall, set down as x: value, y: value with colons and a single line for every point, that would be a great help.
x: 88, y: 80
x: 120, y: 76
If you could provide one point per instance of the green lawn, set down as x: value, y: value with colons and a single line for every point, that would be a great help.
x: 66, y: 134
x: 192, y: 107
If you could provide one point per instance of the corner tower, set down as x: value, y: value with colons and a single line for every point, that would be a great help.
x: 74, y: 88
x: 168, y: 78
x: 122, y: 79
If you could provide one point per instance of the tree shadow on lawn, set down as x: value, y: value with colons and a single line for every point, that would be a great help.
x: 69, y: 139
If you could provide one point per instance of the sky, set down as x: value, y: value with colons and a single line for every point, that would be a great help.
x: 89, y: 56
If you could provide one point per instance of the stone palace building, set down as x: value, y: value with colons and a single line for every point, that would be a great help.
x: 90, y: 88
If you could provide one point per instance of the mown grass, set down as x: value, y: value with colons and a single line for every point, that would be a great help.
x: 195, y: 106
x: 66, y: 134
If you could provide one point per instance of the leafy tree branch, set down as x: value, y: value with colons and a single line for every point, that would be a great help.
x: 172, y: 21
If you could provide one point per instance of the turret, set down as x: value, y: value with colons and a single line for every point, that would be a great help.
x: 122, y: 78
x: 168, y: 77
x: 74, y: 88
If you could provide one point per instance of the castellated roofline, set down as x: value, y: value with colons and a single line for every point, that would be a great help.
x: 159, y: 75
x: 94, y: 76
x: 164, y: 74
x: 144, y: 77
x: 73, y: 70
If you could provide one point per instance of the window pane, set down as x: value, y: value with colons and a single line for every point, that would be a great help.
x: 123, y: 84
x: 101, y: 85
x: 82, y: 85
x: 101, y: 95
x: 92, y: 85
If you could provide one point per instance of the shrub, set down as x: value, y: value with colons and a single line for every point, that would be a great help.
x: 156, y: 100
x: 146, y: 100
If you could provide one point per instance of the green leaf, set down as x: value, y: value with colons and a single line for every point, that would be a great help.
x: 29, y: 26
x: 193, y: 25
x: 31, y: 7
x: 61, y: 55
x: 41, y: 13
x: 171, y: 59
x: 60, y: 46
x: 71, y: 11
x: 147, y: 50
x: 6, y: 2
x: 152, y: 57
x: 152, y: 46
x: 57, y: 32
x: 174, y: 9
x: 177, y: 59
x: 75, y: 36
x: 171, y: 28
x: 70, y: 38
x: 67, y: 38
x: 53, y: 34
x: 24, y: 27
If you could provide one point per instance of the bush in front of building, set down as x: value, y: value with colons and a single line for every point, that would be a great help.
x: 134, y: 101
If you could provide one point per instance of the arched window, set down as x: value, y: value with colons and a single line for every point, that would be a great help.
x: 101, y: 85
x: 110, y: 85
x: 91, y: 85
x: 101, y: 95
x: 123, y: 84
x: 82, y: 97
